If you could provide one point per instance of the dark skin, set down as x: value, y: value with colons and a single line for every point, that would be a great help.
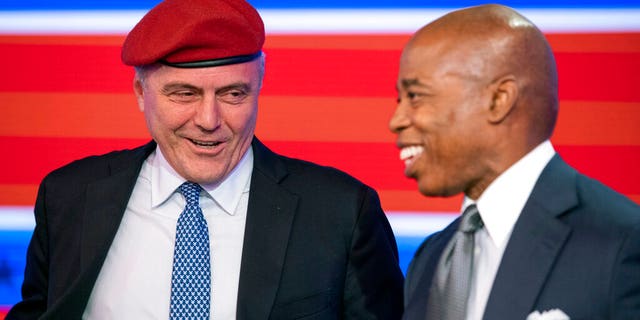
x: 477, y: 90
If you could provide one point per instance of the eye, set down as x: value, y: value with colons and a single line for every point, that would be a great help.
x: 183, y: 96
x: 233, y: 96
x: 412, y: 96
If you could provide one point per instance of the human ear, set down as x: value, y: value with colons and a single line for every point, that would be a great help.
x: 139, y: 92
x: 504, y: 97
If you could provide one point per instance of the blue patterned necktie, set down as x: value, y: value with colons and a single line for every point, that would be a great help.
x: 191, y: 277
x: 451, y: 283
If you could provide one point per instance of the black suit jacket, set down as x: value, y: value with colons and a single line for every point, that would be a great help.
x: 317, y: 244
x: 575, y: 247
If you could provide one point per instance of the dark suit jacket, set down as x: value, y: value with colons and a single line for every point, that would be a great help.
x: 317, y: 244
x: 575, y: 247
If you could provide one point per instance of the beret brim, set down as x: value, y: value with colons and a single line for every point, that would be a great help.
x: 213, y: 62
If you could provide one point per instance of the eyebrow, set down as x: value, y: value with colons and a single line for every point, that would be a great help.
x: 412, y: 82
x: 173, y: 86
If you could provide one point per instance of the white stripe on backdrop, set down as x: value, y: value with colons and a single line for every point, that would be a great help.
x: 334, y: 21
x: 407, y: 224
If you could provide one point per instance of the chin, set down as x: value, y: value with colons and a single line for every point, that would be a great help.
x: 207, y: 179
x: 425, y: 191
x: 197, y: 176
x: 430, y: 191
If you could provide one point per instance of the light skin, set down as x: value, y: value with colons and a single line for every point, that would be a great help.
x: 467, y: 107
x: 203, y: 119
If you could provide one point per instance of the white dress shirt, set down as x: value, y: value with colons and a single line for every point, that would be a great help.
x: 500, y: 206
x: 135, y: 280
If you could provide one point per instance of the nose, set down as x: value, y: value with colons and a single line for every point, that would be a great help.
x: 400, y: 119
x: 207, y: 115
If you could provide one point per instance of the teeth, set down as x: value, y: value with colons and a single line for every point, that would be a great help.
x: 410, y: 152
x: 205, y: 143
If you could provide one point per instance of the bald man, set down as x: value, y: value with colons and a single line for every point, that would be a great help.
x: 205, y: 221
x: 477, y: 104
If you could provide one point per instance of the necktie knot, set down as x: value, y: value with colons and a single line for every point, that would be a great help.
x: 471, y: 220
x: 191, y: 193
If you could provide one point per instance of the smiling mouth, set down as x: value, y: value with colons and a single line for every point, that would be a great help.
x: 207, y: 144
x: 410, y: 153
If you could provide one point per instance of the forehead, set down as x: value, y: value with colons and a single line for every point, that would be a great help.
x: 421, y: 63
x: 438, y: 58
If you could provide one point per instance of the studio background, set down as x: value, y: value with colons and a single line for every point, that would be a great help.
x: 328, y: 94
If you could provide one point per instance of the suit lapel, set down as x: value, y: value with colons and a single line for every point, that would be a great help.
x: 106, y: 201
x: 422, y: 270
x: 536, y: 241
x: 269, y: 219
x: 105, y: 205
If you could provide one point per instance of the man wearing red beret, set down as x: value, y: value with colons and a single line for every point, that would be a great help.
x: 205, y: 221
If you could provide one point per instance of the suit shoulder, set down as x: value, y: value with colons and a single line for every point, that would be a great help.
x: 598, y: 197
x: 309, y: 172
x: 596, y: 194
x: 96, y: 166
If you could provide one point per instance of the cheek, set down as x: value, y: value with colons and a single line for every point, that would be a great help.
x: 242, y: 120
x: 166, y: 117
x: 434, y: 128
x: 446, y: 143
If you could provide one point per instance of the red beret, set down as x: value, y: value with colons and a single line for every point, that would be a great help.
x: 195, y: 33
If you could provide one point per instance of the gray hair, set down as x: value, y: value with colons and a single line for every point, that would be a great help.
x: 142, y: 71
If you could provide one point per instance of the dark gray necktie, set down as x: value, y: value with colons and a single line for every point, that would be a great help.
x: 450, y: 286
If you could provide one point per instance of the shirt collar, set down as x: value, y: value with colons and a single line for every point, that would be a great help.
x: 503, y: 200
x: 165, y: 181
x: 228, y: 192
